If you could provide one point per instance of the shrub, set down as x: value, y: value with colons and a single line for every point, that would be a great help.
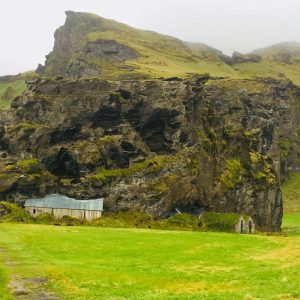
x: 68, y: 221
x: 10, y: 212
x: 45, y: 219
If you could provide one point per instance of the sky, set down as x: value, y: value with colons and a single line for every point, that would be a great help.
x: 27, y: 27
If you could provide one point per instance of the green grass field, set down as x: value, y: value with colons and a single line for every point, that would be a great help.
x: 106, y: 263
x: 109, y: 263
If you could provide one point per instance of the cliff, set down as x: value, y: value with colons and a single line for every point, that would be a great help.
x: 95, y: 122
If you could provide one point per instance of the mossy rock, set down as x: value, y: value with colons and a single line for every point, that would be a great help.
x: 26, y: 166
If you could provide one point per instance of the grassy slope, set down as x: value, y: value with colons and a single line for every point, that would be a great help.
x: 18, y: 86
x: 267, y: 68
x: 291, y: 201
x: 165, y: 56
x: 272, y: 63
x: 103, y: 263
x: 291, y: 193
x: 161, y: 56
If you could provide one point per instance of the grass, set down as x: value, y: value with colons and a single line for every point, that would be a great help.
x: 291, y: 192
x: 18, y: 86
x: 110, y: 263
x: 267, y: 68
x: 165, y: 56
x: 4, y: 293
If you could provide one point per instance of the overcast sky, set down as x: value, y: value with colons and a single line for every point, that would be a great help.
x: 27, y: 26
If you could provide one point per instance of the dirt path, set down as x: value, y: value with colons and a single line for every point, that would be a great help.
x: 31, y: 289
x: 27, y: 288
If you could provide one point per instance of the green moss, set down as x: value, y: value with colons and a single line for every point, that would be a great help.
x: 26, y: 166
x: 115, y: 96
x: 26, y: 126
x: 233, y: 173
x: 194, y: 166
x: 285, y: 146
x: 232, y: 131
x: 261, y: 169
x: 209, y: 141
x: 160, y: 187
x: 107, y: 139
x: 154, y: 164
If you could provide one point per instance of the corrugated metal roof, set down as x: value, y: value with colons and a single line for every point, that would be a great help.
x: 60, y: 201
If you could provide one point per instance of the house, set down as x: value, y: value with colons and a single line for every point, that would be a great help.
x: 59, y: 206
x: 245, y: 225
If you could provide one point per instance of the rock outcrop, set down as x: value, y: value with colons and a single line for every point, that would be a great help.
x: 195, y: 144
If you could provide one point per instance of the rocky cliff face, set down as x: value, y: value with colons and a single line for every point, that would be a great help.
x: 153, y: 145
x: 194, y: 144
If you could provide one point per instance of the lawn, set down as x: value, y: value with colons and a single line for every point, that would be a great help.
x: 108, y: 263
x: 291, y: 192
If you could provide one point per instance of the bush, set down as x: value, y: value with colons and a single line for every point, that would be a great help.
x: 68, y: 221
x: 10, y: 212
x: 45, y: 219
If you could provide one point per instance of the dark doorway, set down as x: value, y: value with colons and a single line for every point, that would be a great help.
x: 242, y: 225
x: 34, y: 211
x: 250, y: 226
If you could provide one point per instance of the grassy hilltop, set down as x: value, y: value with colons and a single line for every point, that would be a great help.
x: 160, y: 55
x: 9, y: 90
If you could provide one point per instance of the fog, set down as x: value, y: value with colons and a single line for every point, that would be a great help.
x: 27, y: 27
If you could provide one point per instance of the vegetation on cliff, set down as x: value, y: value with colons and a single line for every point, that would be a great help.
x: 156, y: 55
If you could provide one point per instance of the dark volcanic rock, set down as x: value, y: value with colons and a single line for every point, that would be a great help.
x: 156, y: 145
x: 63, y: 164
x: 110, y: 50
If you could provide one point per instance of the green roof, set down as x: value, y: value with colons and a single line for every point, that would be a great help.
x: 61, y: 201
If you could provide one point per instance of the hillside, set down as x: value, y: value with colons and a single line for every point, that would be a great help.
x: 88, y: 45
x: 10, y: 88
x: 110, y: 49
x: 281, y: 61
x: 129, y: 115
